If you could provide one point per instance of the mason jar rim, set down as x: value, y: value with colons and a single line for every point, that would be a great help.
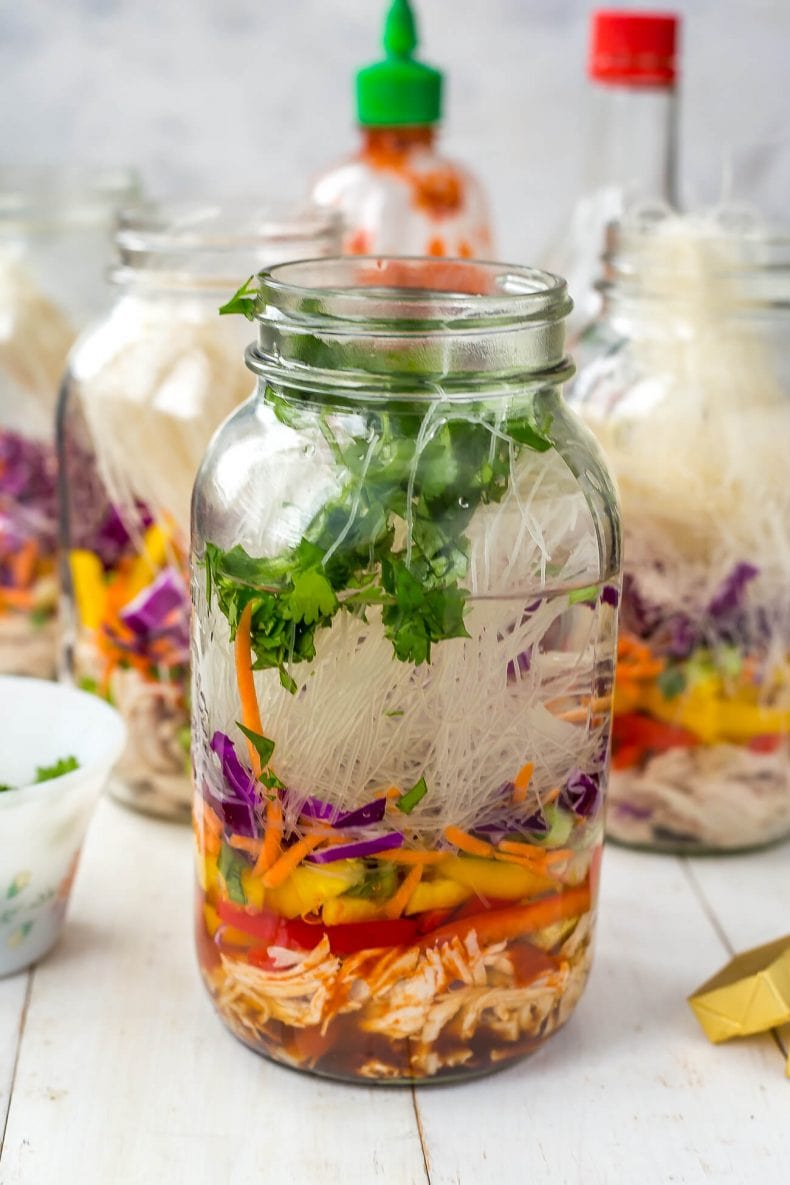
x: 153, y: 226
x: 753, y: 264
x: 205, y: 244
x: 424, y: 326
x: 387, y: 290
x: 38, y: 196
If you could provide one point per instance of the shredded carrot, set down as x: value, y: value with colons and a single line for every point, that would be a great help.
x: 525, y: 850
x: 536, y: 866
x: 245, y: 844
x: 16, y: 598
x: 522, y: 780
x: 467, y: 843
x: 23, y: 564
x: 251, y: 718
x: 211, y: 820
x: 250, y: 712
x: 272, y: 837
x: 557, y: 855
x: 290, y: 858
x: 396, y: 905
x: 393, y: 792
x: 211, y: 843
x: 399, y: 856
x: 500, y: 925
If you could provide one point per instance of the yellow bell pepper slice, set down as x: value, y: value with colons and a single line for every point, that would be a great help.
x: 741, y: 722
x: 207, y: 873
x: 440, y: 893
x: 307, y: 889
x: 157, y: 542
x: 351, y: 909
x: 254, y: 891
x: 90, y: 591
x: 490, y: 878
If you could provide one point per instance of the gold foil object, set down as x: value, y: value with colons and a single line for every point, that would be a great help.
x: 750, y: 995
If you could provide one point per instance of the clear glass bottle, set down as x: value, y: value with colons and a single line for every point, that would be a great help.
x: 692, y: 406
x: 54, y: 249
x: 144, y: 390
x: 398, y: 194
x: 631, y: 147
x: 405, y: 576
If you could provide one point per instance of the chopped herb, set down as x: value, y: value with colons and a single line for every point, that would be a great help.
x: 231, y: 865
x: 244, y: 301
x: 3, y: 788
x: 355, y: 552
x: 262, y: 745
x: 409, y: 799
x: 583, y: 595
x: 378, y: 884
x: 671, y: 682
x: 45, y: 773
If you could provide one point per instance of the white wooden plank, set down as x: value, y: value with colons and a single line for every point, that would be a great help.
x: 630, y: 1090
x: 749, y: 894
x: 126, y: 1076
x: 12, y: 1004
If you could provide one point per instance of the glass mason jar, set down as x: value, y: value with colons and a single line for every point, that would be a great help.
x: 405, y: 577
x: 690, y: 403
x: 54, y: 249
x: 144, y: 391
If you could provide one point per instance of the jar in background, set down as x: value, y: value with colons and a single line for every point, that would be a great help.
x: 144, y: 391
x: 54, y: 250
x: 404, y: 579
x: 691, y: 403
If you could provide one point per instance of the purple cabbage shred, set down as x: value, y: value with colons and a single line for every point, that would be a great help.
x: 731, y: 594
x: 581, y: 794
x: 362, y: 847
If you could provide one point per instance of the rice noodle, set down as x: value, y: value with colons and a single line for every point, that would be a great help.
x: 361, y: 721
x: 153, y: 385
x: 695, y: 422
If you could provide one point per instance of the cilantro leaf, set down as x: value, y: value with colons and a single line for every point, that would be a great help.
x: 409, y: 799
x: 263, y: 746
x: 671, y: 682
x: 390, y: 475
x: 45, y: 773
x: 244, y: 300
x: 231, y: 865
x: 312, y: 597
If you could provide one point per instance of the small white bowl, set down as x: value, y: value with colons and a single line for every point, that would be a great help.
x: 42, y: 825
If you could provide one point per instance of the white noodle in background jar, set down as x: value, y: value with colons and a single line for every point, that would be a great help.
x: 690, y: 399
x: 146, y: 387
x: 54, y: 250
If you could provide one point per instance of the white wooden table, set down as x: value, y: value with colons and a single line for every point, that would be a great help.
x: 115, y: 1071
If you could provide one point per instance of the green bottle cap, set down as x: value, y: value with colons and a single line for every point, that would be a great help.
x: 399, y: 91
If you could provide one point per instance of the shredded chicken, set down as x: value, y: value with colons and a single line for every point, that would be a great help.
x: 152, y: 773
x: 717, y: 796
x: 436, y: 1001
x: 27, y: 648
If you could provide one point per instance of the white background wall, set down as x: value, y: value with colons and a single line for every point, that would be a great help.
x: 255, y: 95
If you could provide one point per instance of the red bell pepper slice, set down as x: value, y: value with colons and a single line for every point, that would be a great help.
x: 634, y: 729
x: 295, y: 933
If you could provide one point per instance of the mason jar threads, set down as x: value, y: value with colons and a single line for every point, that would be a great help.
x: 690, y: 402
x: 404, y: 579
x: 54, y: 248
x: 144, y: 391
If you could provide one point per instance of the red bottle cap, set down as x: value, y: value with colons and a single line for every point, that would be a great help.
x: 633, y: 48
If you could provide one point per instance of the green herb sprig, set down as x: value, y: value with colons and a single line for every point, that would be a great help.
x: 434, y: 489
